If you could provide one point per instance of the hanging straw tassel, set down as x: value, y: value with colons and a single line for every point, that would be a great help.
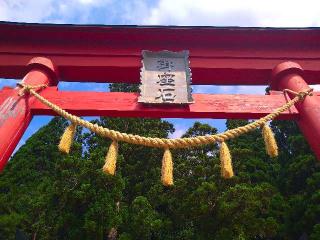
x: 67, y: 138
x: 167, y: 168
x: 226, y: 162
x: 270, y: 141
x: 111, y: 159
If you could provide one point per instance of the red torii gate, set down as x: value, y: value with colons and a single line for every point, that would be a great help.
x: 47, y: 53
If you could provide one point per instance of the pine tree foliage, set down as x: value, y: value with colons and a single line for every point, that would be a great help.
x: 48, y: 195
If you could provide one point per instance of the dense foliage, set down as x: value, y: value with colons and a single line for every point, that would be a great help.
x: 47, y: 195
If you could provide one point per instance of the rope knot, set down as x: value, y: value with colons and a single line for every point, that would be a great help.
x: 302, y: 94
x: 25, y: 88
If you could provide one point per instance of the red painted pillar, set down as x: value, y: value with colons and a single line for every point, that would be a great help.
x: 289, y: 75
x: 15, y: 114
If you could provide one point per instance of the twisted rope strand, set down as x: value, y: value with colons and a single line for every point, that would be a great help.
x: 26, y: 88
x: 164, y: 142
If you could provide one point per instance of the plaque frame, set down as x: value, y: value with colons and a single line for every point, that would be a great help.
x: 184, y: 55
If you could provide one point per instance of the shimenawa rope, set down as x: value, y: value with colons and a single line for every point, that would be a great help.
x: 165, y: 143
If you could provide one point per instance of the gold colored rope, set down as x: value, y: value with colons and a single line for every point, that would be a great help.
x: 164, y: 142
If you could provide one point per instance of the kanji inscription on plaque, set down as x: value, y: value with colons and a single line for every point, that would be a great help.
x: 165, y: 78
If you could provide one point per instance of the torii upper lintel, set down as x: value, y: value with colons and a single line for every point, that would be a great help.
x: 221, y: 62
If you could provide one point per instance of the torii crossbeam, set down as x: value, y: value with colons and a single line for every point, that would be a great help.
x: 46, y: 53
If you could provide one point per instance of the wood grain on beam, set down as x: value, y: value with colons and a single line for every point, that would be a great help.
x: 224, y: 56
x: 116, y: 104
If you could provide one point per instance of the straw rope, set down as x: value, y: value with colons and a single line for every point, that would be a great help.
x: 164, y: 142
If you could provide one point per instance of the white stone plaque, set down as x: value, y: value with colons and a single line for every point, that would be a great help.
x: 165, y: 78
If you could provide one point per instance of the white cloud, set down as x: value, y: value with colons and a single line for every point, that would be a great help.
x: 89, y: 2
x: 53, y: 11
x: 20, y: 10
x: 251, y: 89
x: 223, y: 89
x: 180, y: 130
x: 270, y: 13
x: 315, y: 87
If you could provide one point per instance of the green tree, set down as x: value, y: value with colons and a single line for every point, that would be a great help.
x: 299, y: 180
x: 47, y: 195
x: 26, y: 182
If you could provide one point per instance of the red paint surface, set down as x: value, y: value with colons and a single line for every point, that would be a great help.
x: 226, y: 56
x: 309, y: 109
x: 222, y: 56
x: 117, y: 104
x: 15, y: 115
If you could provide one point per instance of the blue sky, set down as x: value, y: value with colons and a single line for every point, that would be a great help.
x: 255, y: 13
